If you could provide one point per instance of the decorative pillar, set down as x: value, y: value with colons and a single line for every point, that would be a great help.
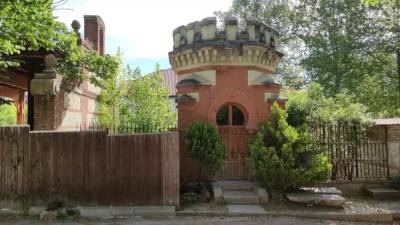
x: 44, y: 87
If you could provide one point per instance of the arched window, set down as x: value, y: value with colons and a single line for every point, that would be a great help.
x: 230, y: 115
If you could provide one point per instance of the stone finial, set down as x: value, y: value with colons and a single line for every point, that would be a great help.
x: 76, y: 26
x: 50, y: 62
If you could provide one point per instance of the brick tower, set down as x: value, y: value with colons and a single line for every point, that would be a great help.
x: 225, y: 77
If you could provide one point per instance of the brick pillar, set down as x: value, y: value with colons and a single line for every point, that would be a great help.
x: 45, y: 89
x: 94, y: 32
x: 44, y: 118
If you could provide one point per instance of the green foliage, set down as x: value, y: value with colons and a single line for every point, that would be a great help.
x: 29, y: 25
x: 279, y: 15
x: 147, y: 100
x: 313, y: 105
x: 347, y: 46
x: 25, y: 25
x: 284, y: 157
x: 111, y: 96
x: 203, y: 143
x: 128, y: 97
x: 8, y: 114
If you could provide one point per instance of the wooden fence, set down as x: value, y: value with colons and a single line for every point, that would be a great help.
x: 354, y: 154
x: 88, y: 168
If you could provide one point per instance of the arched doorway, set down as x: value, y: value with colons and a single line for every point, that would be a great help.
x: 231, y: 119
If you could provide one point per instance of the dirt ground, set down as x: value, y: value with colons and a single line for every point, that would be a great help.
x: 187, y: 220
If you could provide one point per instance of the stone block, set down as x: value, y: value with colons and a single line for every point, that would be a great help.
x: 262, y: 195
x: 316, y: 199
x: 98, y: 211
x: 246, y: 210
x: 36, y: 210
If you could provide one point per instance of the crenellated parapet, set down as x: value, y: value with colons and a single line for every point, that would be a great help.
x: 201, y: 43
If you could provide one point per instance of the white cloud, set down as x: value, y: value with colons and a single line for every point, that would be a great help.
x: 143, y: 28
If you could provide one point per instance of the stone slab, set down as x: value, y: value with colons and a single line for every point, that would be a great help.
x: 235, y: 185
x: 262, y: 195
x: 322, y: 190
x: 36, y: 210
x: 384, y: 193
x: 316, y: 199
x: 246, y: 209
x: 110, y: 211
x: 240, y: 197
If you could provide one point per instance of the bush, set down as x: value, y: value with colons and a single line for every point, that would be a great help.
x: 313, y: 105
x: 284, y: 157
x: 203, y: 143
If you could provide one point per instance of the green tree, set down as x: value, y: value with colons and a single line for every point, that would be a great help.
x: 203, y: 143
x: 311, y: 104
x: 278, y: 14
x: 338, y: 36
x: 111, y: 96
x: 283, y: 157
x: 26, y: 25
x: 147, y: 100
x: 339, y: 44
x: 8, y: 114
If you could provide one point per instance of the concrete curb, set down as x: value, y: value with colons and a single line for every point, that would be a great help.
x: 111, y: 211
x: 114, y: 211
x: 360, y: 217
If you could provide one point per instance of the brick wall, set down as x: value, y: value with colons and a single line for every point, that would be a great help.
x: 231, y: 86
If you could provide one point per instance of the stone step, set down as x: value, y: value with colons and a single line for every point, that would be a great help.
x: 236, y: 185
x: 240, y: 197
x: 384, y: 193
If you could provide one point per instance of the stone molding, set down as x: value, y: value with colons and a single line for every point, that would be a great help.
x: 259, y: 78
x: 246, y: 55
x: 206, y: 77
x: 49, y: 81
x: 207, y: 31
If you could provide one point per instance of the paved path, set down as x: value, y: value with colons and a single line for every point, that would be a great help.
x: 191, y: 220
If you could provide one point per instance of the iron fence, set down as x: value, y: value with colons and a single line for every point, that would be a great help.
x: 354, y: 156
x: 129, y: 128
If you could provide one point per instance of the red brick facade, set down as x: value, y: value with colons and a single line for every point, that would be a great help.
x: 217, y: 68
x: 231, y: 87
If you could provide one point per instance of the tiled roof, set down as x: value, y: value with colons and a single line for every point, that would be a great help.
x: 170, y: 80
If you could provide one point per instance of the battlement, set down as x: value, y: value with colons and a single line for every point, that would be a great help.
x: 205, y: 32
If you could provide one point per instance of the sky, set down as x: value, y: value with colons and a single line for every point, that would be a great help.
x: 141, y: 28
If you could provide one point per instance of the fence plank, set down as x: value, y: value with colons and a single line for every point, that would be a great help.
x: 88, y: 167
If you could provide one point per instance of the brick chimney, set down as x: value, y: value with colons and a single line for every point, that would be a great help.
x: 94, y: 32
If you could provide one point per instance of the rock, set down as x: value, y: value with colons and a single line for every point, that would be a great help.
x: 317, y: 199
x: 54, y: 205
x: 322, y: 190
x: 48, y: 215
x: 205, y: 195
x: 72, y: 212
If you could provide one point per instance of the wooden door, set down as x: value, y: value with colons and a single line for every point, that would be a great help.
x: 234, y: 135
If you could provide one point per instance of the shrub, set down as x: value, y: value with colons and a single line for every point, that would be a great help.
x: 311, y: 104
x: 284, y: 157
x: 203, y: 143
